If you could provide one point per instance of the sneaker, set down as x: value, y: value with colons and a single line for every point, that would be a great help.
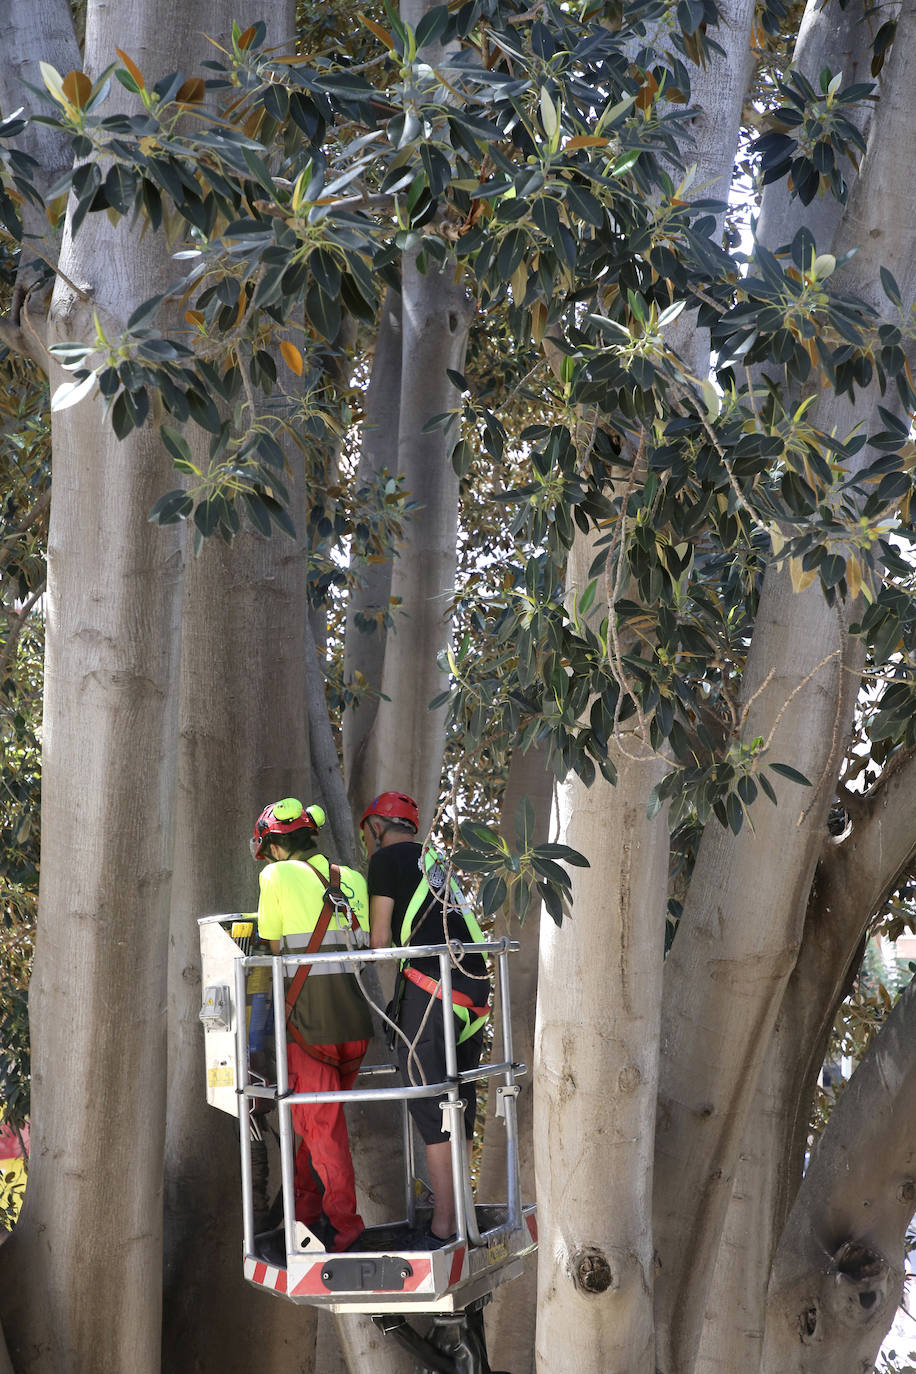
x: 434, y: 1242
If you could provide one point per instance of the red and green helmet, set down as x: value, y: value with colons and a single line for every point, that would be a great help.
x: 282, y: 818
x: 393, y: 806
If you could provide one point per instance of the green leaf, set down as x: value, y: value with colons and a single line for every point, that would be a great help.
x: 564, y: 852
x: 257, y: 513
x: 145, y: 312
x: 587, y: 598
x: 553, y: 902
x: 470, y: 861
x: 548, y: 869
x: 524, y: 823
x: 493, y: 893
x: 173, y: 506
x: 259, y: 170
x: 176, y: 444
x: 735, y: 812
x: 891, y: 289
x: 481, y: 836
x: 206, y: 516
x: 431, y: 26
x: 71, y: 393
x: 785, y: 770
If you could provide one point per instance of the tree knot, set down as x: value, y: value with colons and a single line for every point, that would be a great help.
x: 591, y: 1271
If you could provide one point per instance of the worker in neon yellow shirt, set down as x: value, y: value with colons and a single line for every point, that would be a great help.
x: 328, y: 1024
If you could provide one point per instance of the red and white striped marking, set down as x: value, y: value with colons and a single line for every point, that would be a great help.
x: 267, y: 1275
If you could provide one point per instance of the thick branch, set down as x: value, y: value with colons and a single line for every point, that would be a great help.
x: 865, y: 866
x: 735, y: 949
x: 436, y: 317
x: 853, y: 880
x: 19, y: 618
x: 364, y: 651
x: 838, y: 1275
x: 324, y: 760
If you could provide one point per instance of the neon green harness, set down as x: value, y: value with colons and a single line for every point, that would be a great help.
x: 461, y: 1004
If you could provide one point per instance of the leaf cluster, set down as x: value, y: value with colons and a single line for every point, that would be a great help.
x: 515, y: 877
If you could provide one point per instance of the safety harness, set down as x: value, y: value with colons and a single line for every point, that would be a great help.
x: 472, y: 1017
x: 335, y: 902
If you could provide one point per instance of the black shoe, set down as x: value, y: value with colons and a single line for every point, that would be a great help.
x: 270, y: 1246
x: 433, y: 1242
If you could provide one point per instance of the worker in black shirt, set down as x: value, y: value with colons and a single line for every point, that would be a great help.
x: 408, y: 906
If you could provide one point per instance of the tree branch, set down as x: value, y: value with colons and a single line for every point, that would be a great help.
x: 863, y: 868
x: 838, y: 1275
x: 38, y: 508
x: 324, y: 760
x: 19, y: 618
x: 23, y: 344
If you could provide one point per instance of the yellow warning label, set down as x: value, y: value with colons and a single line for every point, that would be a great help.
x: 222, y: 1076
x: 498, y: 1250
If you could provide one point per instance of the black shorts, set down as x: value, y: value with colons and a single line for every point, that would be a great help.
x: 430, y: 1052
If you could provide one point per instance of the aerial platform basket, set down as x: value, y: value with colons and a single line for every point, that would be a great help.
x: 386, y: 1271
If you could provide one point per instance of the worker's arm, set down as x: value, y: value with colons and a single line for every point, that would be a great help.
x: 276, y: 946
x: 381, y: 910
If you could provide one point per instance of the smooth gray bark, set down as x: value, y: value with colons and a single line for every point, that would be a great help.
x: 512, y: 1315
x: 327, y: 779
x: 736, y: 946
x: 41, y: 31
x: 743, y: 921
x: 98, y: 987
x: 596, y: 1066
x: 243, y: 744
x: 407, y: 741
x: 596, y: 1082
x: 838, y: 1275
x: 364, y: 651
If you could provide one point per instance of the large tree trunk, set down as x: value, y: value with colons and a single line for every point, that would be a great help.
x: 597, y: 1077
x: 243, y: 744
x: 876, y: 196
x: 596, y: 1068
x: 512, y: 1315
x: 98, y: 987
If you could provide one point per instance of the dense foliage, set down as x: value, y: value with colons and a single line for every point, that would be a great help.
x: 545, y: 160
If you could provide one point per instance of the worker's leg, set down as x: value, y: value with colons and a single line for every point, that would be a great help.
x: 439, y: 1165
x: 325, y: 1129
x: 425, y: 1034
x: 303, y: 1079
x: 308, y: 1194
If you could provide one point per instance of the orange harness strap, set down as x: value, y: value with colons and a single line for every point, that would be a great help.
x: 303, y: 971
x: 434, y: 989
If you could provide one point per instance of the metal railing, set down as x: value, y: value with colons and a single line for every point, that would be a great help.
x: 452, y: 1104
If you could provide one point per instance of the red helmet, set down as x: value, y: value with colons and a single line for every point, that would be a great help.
x: 393, y: 806
x: 281, y: 818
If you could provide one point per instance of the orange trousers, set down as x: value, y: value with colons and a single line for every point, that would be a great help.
x: 325, y: 1147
